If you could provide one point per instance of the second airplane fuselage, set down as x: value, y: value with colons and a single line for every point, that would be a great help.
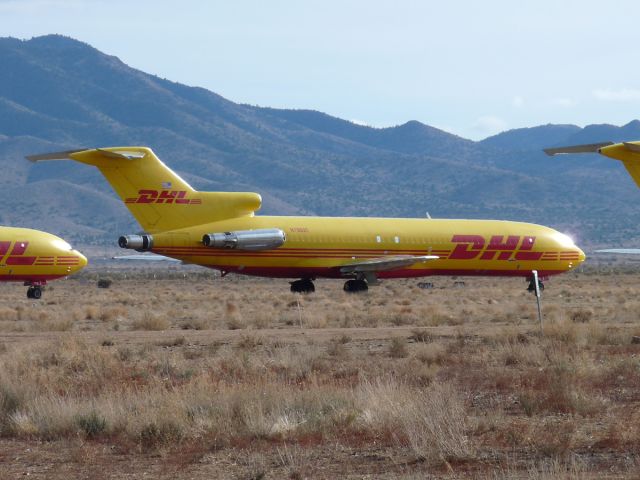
x: 319, y: 246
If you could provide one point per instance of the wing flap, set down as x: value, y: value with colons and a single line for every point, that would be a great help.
x: 382, y: 264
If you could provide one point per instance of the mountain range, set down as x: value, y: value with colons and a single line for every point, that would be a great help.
x: 57, y: 93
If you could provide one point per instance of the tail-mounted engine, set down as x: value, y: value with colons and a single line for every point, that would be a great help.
x: 263, y: 239
x: 141, y: 243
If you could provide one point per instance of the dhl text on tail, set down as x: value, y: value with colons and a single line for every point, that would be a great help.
x: 34, y: 257
x: 220, y: 230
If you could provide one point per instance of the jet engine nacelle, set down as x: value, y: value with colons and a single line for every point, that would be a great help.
x: 140, y: 243
x: 263, y: 239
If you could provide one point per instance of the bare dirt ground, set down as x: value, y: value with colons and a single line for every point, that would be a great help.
x: 180, y: 374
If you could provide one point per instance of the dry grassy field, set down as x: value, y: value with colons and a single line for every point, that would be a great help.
x: 181, y: 374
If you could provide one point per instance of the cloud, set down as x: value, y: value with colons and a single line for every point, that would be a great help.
x: 362, y: 123
x: 517, y: 101
x: 489, y: 125
x: 621, y: 95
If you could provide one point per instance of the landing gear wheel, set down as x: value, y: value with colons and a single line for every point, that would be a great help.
x: 355, y: 286
x: 37, y: 293
x: 34, y: 292
x: 303, y: 286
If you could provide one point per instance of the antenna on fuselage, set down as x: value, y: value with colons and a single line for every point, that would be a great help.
x: 428, y: 216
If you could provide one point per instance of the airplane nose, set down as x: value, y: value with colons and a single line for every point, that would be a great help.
x: 82, y: 261
x: 570, y: 253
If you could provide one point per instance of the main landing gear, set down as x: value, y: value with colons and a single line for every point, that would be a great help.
x: 35, y: 290
x: 355, y: 286
x: 304, y: 285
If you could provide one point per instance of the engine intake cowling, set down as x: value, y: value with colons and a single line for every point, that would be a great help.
x: 140, y: 243
x: 262, y: 239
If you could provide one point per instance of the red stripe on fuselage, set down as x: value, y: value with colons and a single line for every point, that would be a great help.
x: 292, y: 272
x: 29, y: 277
x: 20, y: 260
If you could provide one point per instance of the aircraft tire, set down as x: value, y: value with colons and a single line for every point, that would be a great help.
x: 30, y: 292
x: 36, y: 293
x: 355, y: 286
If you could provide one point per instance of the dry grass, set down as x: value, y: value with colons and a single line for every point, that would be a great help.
x: 151, y: 321
x: 463, y: 385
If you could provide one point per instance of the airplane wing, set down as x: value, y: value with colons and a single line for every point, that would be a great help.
x: 623, y: 251
x: 382, y: 264
x: 149, y: 258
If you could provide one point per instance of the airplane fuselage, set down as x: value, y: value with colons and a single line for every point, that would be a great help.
x: 35, y: 257
x: 318, y: 246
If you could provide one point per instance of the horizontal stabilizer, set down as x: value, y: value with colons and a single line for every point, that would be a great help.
x: 586, y: 148
x: 65, y: 155
x: 68, y: 154
x: 383, y: 264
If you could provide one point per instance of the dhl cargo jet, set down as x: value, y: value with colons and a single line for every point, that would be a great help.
x: 220, y: 230
x: 34, y: 257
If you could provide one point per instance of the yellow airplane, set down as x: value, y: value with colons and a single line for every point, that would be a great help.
x: 34, y: 257
x: 220, y: 230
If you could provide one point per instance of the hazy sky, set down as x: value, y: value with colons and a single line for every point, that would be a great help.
x: 469, y: 67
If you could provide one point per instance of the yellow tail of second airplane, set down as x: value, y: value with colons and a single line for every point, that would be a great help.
x: 159, y: 199
x: 627, y: 152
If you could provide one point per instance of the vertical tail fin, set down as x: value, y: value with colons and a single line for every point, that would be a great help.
x: 629, y: 154
x: 158, y: 198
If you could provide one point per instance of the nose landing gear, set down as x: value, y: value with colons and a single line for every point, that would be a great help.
x: 35, y: 290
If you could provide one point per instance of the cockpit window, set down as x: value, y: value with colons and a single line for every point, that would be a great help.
x: 61, y: 244
x: 565, y: 241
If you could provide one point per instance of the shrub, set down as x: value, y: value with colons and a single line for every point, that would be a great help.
x: 398, y: 348
x: 151, y: 322
x: 91, y: 424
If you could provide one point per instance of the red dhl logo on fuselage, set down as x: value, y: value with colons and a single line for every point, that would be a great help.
x: 514, y: 247
x: 163, y: 196
x: 16, y: 256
